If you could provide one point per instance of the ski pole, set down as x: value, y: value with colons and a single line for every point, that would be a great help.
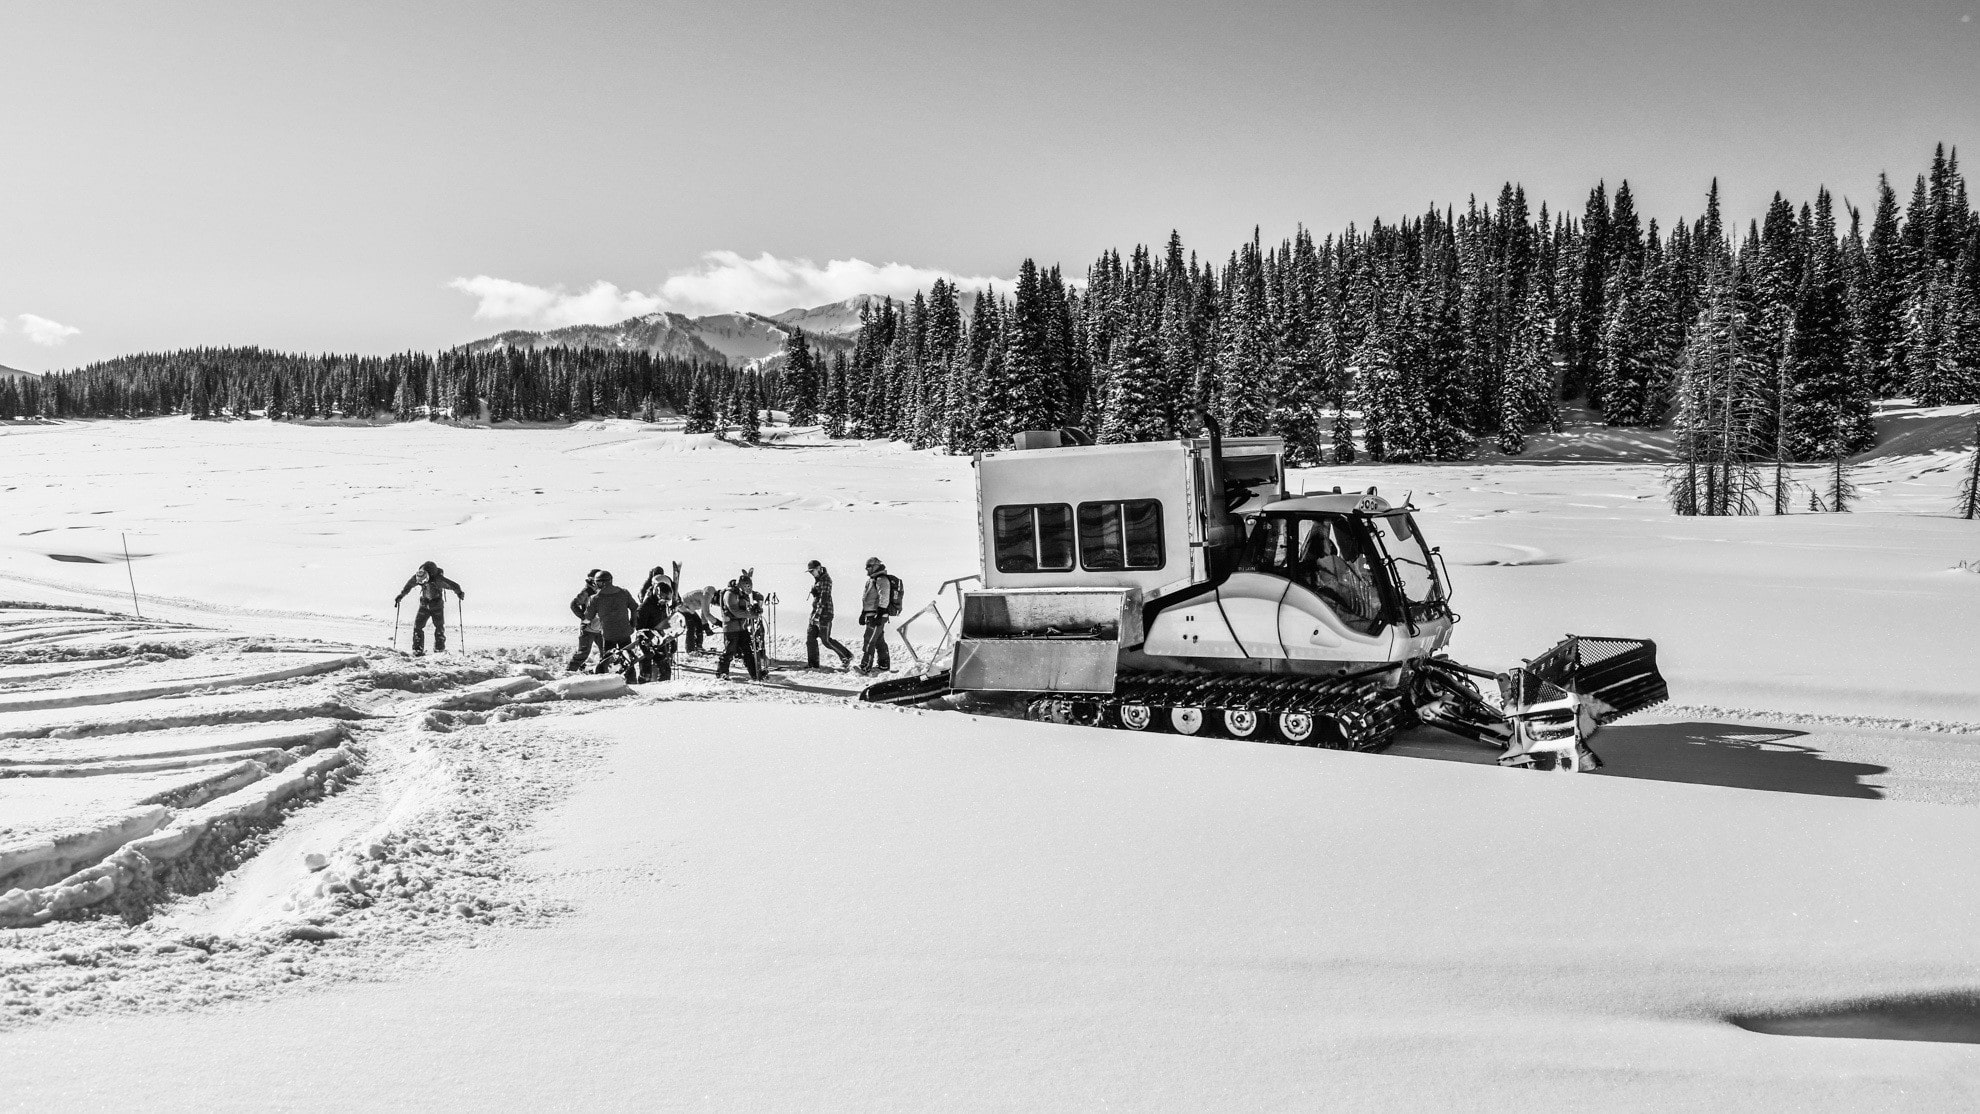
x: 398, y: 608
x: 460, y: 622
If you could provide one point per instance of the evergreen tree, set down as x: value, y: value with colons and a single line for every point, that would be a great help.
x: 802, y: 380
x: 1828, y: 406
x: 1529, y: 392
x: 1034, y: 395
x: 1720, y: 409
x: 1969, y: 487
x: 701, y: 416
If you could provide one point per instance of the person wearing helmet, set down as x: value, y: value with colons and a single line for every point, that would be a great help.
x: 432, y: 585
x: 874, y: 605
x: 740, y: 604
x: 819, y: 631
x: 587, y: 634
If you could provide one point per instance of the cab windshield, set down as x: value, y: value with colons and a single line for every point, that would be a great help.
x: 1422, y: 592
x: 1328, y: 554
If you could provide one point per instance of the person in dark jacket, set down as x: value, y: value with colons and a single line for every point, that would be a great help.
x: 587, y: 635
x: 432, y: 585
x: 873, y: 607
x: 818, y: 632
x: 656, y: 601
x: 739, y: 604
x: 611, y: 612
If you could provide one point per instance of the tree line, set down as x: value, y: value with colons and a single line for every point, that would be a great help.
x: 501, y: 385
x: 1430, y: 339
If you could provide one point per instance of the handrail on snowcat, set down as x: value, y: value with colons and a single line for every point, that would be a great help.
x: 948, y: 635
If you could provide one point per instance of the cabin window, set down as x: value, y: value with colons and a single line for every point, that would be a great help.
x: 1119, y: 535
x: 1035, y: 538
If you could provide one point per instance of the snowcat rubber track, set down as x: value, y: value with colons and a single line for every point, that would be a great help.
x: 1351, y: 713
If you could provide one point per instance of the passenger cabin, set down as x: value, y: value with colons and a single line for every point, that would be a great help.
x: 1117, y: 516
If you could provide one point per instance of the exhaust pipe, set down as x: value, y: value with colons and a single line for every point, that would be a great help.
x: 1221, y: 532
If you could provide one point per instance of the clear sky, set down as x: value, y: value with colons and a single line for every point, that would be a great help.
x: 369, y: 176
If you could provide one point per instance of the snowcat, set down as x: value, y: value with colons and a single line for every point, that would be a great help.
x: 1176, y: 586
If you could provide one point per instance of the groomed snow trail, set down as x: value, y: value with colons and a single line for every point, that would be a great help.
x: 777, y: 906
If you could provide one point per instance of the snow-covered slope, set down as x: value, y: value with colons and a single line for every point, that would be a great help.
x: 780, y: 907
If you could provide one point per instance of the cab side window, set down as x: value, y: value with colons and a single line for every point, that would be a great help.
x: 1122, y: 534
x: 1033, y: 537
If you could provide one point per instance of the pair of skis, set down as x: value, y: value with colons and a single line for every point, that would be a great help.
x: 460, y: 624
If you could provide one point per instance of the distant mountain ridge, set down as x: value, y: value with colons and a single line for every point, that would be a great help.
x: 740, y: 339
x: 15, y: 373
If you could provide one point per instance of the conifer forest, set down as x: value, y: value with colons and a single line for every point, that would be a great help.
x: 1435, y: 338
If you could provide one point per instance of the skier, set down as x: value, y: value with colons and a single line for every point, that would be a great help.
x: 879, y: 601
x: 587, y: 634
x: 740, y: 605
x: 656, y: 600
x: 819, y: 630
x: 610, y: 612
x: 432, y: 585
x: 697, y: 615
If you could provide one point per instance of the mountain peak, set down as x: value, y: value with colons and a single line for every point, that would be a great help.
x: 740, y: 338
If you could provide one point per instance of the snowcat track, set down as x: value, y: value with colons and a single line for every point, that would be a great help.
x: 1330, y: 713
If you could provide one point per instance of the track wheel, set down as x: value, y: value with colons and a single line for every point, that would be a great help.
x: 1136, y: 715
x: 1240, y: 723
x: 1186, y: 721
x: 1297, y: 728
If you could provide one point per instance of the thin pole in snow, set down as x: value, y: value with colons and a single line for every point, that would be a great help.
x: 127, y: 572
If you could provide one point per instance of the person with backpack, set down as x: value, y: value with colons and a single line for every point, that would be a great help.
x: 610, y: 612
x: 587, y: 634
x: 881, y: 602
x: 433, y: 586
x: 740, y: 605
x: 819, y: 631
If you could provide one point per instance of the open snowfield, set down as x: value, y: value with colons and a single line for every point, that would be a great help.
x: 754, y: 898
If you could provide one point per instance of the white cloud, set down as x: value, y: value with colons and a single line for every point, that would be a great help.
x: 44, y: 332
x: 552, y: 307
x: 724, y: 281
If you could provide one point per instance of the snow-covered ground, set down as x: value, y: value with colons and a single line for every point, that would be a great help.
x: 742, y: 898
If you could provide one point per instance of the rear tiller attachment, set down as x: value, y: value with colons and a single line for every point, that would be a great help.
x: 1550, y: 707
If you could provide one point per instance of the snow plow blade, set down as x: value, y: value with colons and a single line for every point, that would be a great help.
x: 907, y: 690
x: 1609, y: 677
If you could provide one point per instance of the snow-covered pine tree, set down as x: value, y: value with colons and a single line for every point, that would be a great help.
x: 1842, y: 490
x: 750, y: 393
x: 1035, y: 397
x: 1828, y: 404
x: 1240, y: 391
x: 993, y: 422
x: 803, y: 386
x: 1969, y: 486
x: 700, y: 416
x: 1719, y: 409
x: 1527, y: 396
x: 1132, y: 409
x: 941, y: 346
x: 965, y: 377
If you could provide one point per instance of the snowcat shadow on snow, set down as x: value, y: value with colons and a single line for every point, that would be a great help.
x: 1175, y: 586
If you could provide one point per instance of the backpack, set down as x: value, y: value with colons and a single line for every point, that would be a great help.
x: 895, y: 590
